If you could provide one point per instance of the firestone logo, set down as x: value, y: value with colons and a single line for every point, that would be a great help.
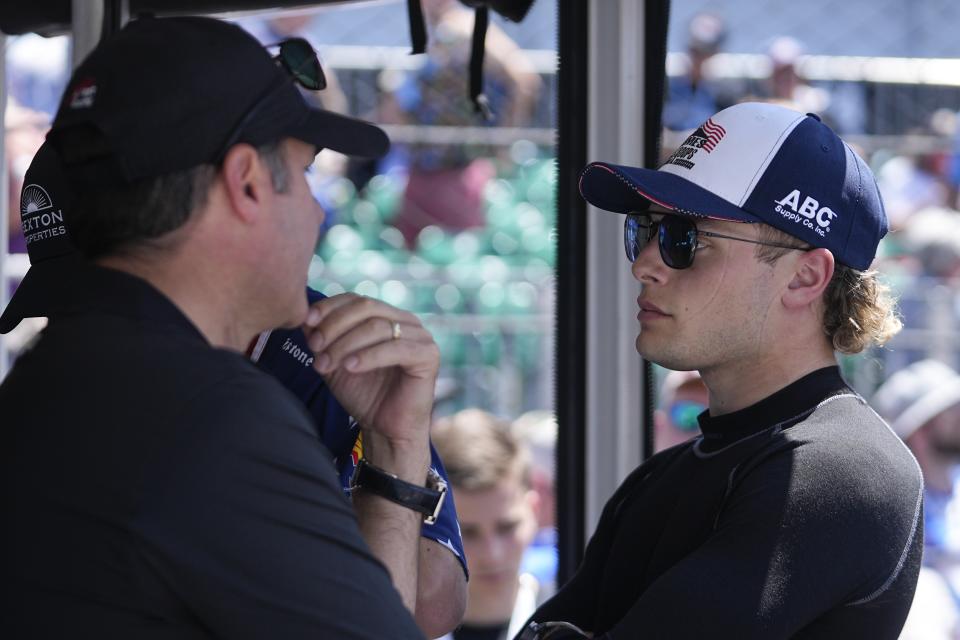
x: 809, y: 213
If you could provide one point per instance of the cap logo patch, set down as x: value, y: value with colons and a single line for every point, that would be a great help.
x: 706, y: 137
x: 809, y: 213
x: 38, y: 218
x: 83, y: 94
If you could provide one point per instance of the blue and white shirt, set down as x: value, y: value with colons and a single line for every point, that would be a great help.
x: 284, y: 353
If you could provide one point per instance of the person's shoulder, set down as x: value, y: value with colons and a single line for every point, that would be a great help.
x: 844, y: 454
x: 242, y: 394
x: 846, y: 424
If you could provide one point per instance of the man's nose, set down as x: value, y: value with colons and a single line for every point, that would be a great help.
x: 649, y: 266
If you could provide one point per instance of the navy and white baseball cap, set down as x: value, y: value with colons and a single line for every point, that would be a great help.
x: 44, y: 199
x: 758, y: 162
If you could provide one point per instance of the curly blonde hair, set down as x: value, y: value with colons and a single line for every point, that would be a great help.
x: 859, y: 309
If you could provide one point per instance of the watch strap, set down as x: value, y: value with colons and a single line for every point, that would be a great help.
x: 426, y: 500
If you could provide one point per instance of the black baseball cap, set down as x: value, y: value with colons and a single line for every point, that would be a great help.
x: 44, y: 199
x: 166, y: 94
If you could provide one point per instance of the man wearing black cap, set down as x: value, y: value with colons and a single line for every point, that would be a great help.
x: 46, y: 204
x: 797, y: 512
x: 155, y: 483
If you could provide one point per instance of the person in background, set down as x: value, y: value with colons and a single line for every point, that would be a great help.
x: 922, y: 404
x: 537, y: 431
x: 446, y: 182
x: 489, y: 470
x: 693, y: 96
x: 683, y: 397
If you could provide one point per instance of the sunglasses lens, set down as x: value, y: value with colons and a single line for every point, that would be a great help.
x: 630, y: 231
x: 301, y: 61
x: 637, y: 231
x: 678, y: 240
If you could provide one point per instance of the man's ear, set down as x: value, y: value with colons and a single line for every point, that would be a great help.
x: 243, y: 180
x: 813, y: 271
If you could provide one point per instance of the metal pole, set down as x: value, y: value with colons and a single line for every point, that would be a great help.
x: 614, y: 369
x: 571, y: 334
x: 116, y: 13
x: 87, y: 21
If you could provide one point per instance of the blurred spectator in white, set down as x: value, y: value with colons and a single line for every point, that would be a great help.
x: 921, y: 402
x: 843, y: 107
x: 682, y: 398
x: 909, y: 183
x: 489, y: 471
x: 932, y: 239
x: 537, y: 430
x: 785, y: 82
x: 446, y: 182
x: 693, y: 96
x: 37, y: 70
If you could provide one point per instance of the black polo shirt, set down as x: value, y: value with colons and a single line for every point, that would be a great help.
x: 156, y: 487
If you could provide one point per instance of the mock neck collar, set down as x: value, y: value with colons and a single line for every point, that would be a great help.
x: 789, y: 403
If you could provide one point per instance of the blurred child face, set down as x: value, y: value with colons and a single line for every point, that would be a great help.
x: 497, y: 524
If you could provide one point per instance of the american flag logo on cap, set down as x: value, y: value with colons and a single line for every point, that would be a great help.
x: 714, y: 134
x: 707, y: 136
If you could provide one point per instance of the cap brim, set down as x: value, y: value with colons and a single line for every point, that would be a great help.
x: 623, y: 189
x: 37, y: 293
x: 349, y: 136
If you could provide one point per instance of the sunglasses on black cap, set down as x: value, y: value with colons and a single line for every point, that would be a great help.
x: 300, y: 60
x: 677, y: 237
x: 297, y: 58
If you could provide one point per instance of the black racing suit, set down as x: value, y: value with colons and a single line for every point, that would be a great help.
x: 799, y: 516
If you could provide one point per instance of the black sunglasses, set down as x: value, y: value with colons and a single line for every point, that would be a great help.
x: 300, y: 60
x: 677, y: 238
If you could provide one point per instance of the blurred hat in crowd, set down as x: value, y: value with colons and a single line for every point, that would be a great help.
x: 932, y: 236
x: 706, y: 33
x: 914, y: 395
x: 785, y: 51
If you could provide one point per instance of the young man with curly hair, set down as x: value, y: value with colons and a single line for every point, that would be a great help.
x: 797, y: 512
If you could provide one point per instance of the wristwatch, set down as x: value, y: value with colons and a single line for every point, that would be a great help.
x: 427, y: 500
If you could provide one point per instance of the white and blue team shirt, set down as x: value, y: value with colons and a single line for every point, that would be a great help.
x: 284, y: 353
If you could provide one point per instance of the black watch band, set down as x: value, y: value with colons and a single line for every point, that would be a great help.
x: 427, y: 500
